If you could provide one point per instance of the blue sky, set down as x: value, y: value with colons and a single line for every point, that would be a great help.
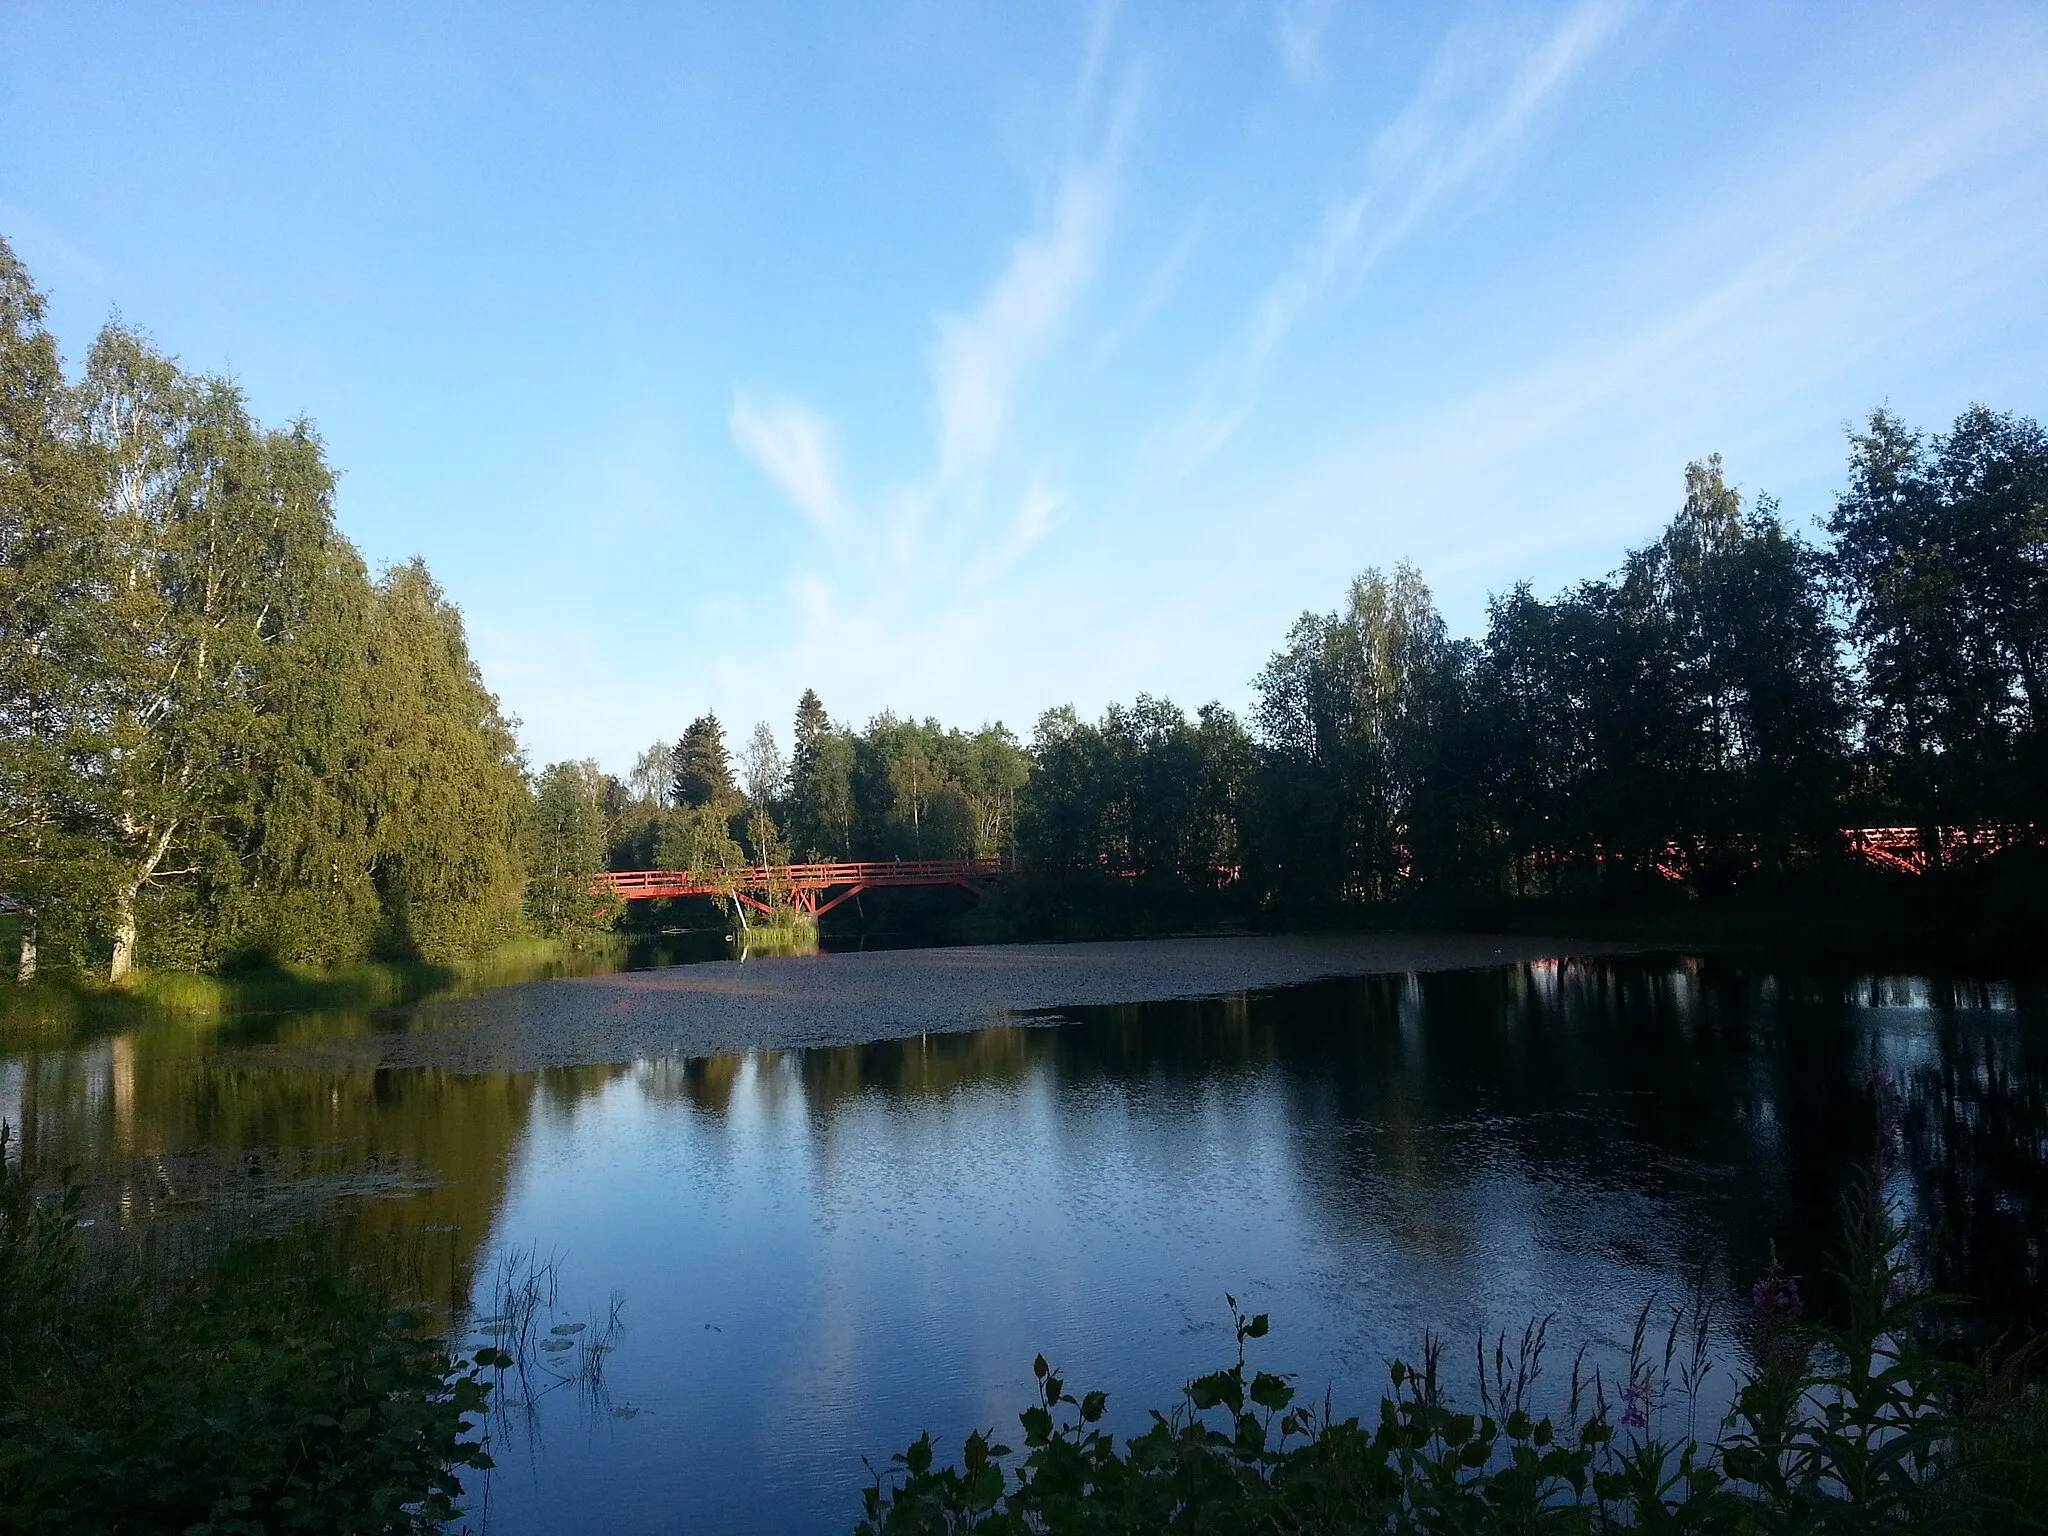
x: 969, y: 359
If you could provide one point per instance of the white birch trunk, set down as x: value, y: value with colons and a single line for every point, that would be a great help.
x: 123, y: 965
x: 124, y: 934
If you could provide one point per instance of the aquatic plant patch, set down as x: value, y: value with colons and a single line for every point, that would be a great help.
x: 249, y: 1384
x: 1845, y: 1428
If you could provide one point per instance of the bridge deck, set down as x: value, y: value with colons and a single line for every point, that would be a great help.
x: 802, y: 885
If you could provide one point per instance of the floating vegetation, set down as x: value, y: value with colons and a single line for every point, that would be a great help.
x: 214, y: 1375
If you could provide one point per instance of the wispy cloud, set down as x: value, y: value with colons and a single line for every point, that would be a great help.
x: 1867, y: 241
x: 926, y: 578
x: 980, y: 356
x: 793, y: 444
x: 952, y: 524
x: 1298, y: 30
x: 1035, y: 519
x: 1485, y: 93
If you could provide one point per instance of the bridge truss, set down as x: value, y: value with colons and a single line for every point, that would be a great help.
x: 808, y: 888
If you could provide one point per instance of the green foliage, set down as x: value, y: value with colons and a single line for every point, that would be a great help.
x: 49, y: 482
x: 1845, y: 1428
x: 446, y: 779
x: 763, y: 770
x: 820, y: 784
x: 914, y: 789
x: 1941, y: 555
x: 250, y: 1384
x: 1145, y: 793
x: 1698, y: 725
x: 898, y: 789
x: 1238, y: 1453
x: 699, y: 838
x: 223, y: 745
x: 703, y: 773
x: 1343, y: 711
x: 220, y: 742
x: 566, y: 850
x: 1684, y: 717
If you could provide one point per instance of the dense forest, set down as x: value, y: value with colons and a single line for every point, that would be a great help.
x: 1712, y: 719
x: 224, y: 742
x: 221, y: 738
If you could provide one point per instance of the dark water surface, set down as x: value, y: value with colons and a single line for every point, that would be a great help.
x: 822, y: 1253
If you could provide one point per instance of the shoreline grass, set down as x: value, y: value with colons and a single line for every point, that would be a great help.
x: 58, y: 1008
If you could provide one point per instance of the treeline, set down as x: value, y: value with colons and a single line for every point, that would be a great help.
x: 1714, y: 713
x: 898, y: 789
x: 1712, y: 717
x: 221, y: 739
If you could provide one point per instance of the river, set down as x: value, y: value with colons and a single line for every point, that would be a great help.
x: 812, y: 1254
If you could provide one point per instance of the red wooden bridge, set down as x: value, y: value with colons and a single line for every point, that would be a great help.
x: 805, y: 886
x: 1908, y: 849
x: 815, y: 889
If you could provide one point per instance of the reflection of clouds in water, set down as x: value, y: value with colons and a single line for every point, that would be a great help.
x: 825, y: 1251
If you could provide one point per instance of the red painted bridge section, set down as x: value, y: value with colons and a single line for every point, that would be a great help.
x: 815, y: 889
x: 807, y: 887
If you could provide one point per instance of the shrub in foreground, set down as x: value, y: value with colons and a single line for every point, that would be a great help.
x: 1849, y: 1428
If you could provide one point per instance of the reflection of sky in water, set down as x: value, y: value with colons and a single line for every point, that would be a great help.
x: 815, y: 1274
x: 808, y: 1284
x: 823, y: 1253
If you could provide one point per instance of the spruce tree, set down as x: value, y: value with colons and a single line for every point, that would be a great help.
x: 820, y: 784
x: 703, y: 773
x: 444, y: 776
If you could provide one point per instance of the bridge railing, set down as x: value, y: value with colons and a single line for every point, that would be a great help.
x: 629, y: 882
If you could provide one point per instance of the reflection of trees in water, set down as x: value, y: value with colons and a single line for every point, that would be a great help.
x: 1728, y: 1104
x: 706, y: 1082
x: 1714, y: 1109
x: 156, y: 1125
x: 1973, y: 1132
x: 827, y: 1078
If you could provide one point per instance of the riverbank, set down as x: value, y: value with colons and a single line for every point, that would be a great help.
x: 213, y: 1376
x: 63, y: 1008
x: 721, y: 1007
x: 1988, y: 914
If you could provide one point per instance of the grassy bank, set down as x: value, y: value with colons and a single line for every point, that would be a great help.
x: 62, y: 1007
x: 206, y: 1378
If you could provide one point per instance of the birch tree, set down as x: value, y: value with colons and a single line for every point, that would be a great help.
x: 49, y: 530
